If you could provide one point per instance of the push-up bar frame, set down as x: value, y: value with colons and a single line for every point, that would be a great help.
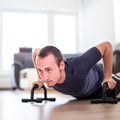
x: 38, y: 100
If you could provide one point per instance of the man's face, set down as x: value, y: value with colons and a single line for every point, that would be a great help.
x: 48, y: 70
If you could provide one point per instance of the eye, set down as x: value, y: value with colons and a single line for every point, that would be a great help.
x: 48, y: 69
x: 39, y: 70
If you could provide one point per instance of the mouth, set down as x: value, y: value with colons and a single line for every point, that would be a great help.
x: 50, y: 83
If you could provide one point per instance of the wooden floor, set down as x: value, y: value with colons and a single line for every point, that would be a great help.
x: 64, y: 108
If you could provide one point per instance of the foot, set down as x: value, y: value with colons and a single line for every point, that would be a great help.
x: 117, y: 79
x: 115, y: 76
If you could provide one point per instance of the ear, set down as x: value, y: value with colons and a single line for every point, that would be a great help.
x: 62, y: 65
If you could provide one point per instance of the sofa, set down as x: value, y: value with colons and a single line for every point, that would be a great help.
x: 22, y: 60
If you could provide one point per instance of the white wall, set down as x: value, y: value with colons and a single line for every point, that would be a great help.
x: 47, y: 5
x: 117, y: 20
x: 98, y: 22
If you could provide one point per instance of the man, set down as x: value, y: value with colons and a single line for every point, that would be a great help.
x: 80, y: 76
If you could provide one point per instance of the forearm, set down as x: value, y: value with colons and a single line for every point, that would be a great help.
x: 108, y: 61
x: 34, y: 55
x: 107, y: 55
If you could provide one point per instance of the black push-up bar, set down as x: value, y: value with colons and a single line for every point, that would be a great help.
x: 105, y: 98
x: 38, y: 100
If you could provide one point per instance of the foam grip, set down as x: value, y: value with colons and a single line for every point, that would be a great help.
x: 35, y: 86
x: 32, y: 100
x: 25, y: 100
x: 51, y: 99
x: 105, y: 85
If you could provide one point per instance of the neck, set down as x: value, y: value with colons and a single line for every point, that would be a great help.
x: 62, y: 78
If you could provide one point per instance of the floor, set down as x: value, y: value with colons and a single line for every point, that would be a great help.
x: 64, y: 108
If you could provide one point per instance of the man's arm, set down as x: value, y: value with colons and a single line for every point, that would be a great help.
x: 106, y: 51
x: 34, y: 55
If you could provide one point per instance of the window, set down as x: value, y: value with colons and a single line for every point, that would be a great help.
x: 31, y: 29
x: 65, y: 33
x: 22, y: 30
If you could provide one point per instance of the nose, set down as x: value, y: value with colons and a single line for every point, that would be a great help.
x: 44, y: 77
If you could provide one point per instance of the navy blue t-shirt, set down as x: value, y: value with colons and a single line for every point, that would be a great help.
x: 83, y: 76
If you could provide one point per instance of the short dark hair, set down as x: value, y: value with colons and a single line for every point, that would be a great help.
x: 51, y: 50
